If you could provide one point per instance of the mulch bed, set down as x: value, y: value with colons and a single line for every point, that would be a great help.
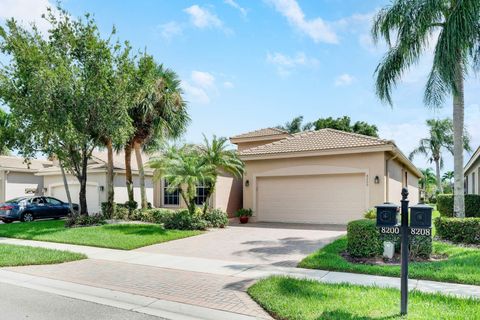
x: 381, y: 261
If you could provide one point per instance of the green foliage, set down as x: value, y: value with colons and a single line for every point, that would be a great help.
x: 295, y: 125
x: 343, y: 124
x: 13, y: 255
x: 370, y: 214
x: 158, y: 215
x: 244, y: 212
x: 7, y: 134
x: 457, y: 230
x: 81, y: 220
x: 445, y: 205
x: 183, y: 220
x: 363, y: 239
x: 216, y: 218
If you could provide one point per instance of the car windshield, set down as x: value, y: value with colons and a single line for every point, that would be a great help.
x: 16, y: 200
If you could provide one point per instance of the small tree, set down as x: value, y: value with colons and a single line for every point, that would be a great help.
x: 183, y: 169
x: 344, y: 124
x: 296, y: 125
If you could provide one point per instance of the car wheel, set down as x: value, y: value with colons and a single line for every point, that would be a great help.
x: 27, y: 217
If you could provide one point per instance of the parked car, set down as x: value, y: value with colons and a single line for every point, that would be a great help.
x: 27, y: 209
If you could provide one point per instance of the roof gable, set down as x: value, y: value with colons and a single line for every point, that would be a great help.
x: 473, y: 159
x: 261, y: 133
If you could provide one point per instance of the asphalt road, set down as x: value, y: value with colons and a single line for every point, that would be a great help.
x: 17, y: 303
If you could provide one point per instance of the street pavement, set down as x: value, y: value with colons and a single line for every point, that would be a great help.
x: 18, y: 303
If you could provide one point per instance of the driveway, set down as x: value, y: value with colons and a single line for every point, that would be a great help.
x: 275, y: 244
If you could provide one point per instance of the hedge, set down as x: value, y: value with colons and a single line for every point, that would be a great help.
x: 445, y: 205
x: 457, y: 230
x: 364, y: 241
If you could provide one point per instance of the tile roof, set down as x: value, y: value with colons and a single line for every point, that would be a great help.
x: 323, y: 139
x: 260, y: 133
x: 12, y: 163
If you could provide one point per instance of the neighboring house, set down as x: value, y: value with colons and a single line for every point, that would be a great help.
x: 227, y: 195
x: 325, y: 176
x: 472, y: 174
x: 97, y: 181
x: 17, y: 177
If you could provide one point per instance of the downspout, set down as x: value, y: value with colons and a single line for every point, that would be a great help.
x: 387, y: 178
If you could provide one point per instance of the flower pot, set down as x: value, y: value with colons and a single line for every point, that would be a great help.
x: 243, y: 219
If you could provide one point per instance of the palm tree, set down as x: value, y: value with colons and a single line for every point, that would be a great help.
x: 160, y: 112
x: 295, y: 125
x: 448, y: 177
x: 409, y: 27
x: 183, y: 169
x: 441, y: 136
x: 217, y: 155
x: 427, y: 181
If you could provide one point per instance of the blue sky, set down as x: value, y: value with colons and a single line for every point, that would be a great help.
x: 247, y: 65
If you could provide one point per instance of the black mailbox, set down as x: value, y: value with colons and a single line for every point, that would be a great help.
x: 421, y: 216
x: 387, y: 215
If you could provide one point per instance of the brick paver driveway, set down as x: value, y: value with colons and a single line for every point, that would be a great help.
x: 257, y: 243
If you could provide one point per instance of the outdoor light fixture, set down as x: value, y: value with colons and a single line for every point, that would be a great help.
x: 247, y: 183
x: 102, y: 188
x: 376, y: 180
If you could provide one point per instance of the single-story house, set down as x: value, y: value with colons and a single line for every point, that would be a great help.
x: 325, y: 176
x: 17, y: 177
x: 472, y: 174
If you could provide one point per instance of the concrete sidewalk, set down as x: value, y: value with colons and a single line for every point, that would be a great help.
x: 246, y: 270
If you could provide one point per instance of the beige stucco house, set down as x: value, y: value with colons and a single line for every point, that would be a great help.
x: 472, y: 174
x: 325, y: 176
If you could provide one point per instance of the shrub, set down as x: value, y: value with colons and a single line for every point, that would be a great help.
x: 83, y: 220
x: 108, y: 211
x: 363, y: 239
x: 244, y: 213
x: 216, y: 218
x: 131, y: 205
x: 370, y: 214
x: 183, y: 220
x: 465, y: 230
x: 419, y: 246
x: 159, y: 215
x: 445, y: 205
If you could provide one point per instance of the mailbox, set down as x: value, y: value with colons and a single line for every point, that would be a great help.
x: 421, y: 216
x: 387, y: 215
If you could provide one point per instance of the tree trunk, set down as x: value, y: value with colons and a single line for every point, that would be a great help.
x: 82, y: 179
x: 128, y: 171
x: 458, y: 129
x: 67, y: 189
x: 110, y: 189
x: 439, y: 180
x: 141, y: 174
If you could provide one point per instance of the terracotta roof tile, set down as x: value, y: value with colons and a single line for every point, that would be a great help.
x: 260, y: 133
x: 324, y: 139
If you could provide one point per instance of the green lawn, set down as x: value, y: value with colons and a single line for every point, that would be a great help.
x: 116, y: 236
x: 462, y: 265
x: 293, y: 299
x: 11, y: 255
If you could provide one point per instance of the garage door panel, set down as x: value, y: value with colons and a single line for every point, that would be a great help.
x: 93, y: 203
x: 311, y: 199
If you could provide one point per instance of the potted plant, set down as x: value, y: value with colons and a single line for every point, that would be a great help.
x: 244, y: 214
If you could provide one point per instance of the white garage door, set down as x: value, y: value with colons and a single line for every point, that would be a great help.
x: 93, y: 202
x: 328, y: 199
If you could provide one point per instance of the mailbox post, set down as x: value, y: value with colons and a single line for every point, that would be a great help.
x: 420, y: 224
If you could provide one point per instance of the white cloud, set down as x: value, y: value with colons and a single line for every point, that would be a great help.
x: 286, y: 64
x: 200, y: 87
x: 26, y: 11
x: 203, y: 79
x: 228, y: 85
x: 202, y: 18
x: 344, y: 80
x: 235, y: 5
x: 195, y: 94
x: 170, y: 30
x: 317, y: 29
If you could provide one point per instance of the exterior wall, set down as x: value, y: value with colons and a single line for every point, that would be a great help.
x: 397, y: 180
x: 369, y: 164
x: 120, y: 188
x: 18, y: 184
x: 2, y: 186
x: 251, y: 144
x: 472, y: 174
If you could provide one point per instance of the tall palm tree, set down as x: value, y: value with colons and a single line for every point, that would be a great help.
x: 448, y: 177
x: 296, y: 125
x: 427, y: 181
x: 160, y: 112
x: 183, y: 169
x: 217, y: 155
x: 409, y: 27
x: 440, y: 137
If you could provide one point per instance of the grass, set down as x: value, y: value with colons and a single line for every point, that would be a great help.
x: 12, y: 255
x: 294, y: 299
x: 116, y: 236
x: 462, y: 265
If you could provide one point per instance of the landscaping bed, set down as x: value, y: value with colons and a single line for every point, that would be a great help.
x: 460, y: 267
x: 116, y: 236
x: 293, y: 299
x: 13, y: 255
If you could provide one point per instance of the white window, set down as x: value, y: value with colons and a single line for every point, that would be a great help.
x: 201, y: 194
x: 170, y: 198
